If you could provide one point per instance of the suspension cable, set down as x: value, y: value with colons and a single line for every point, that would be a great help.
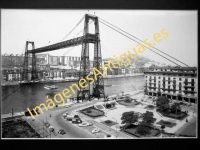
x: 139, y: 43
x: 124, y: 75
x: 74, y: 28
x: 142, y: 41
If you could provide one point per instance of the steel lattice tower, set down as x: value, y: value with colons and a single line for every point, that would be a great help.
x: 33, y: 73
x: 98, y: 85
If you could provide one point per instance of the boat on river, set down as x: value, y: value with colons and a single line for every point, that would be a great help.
x: 50, y: 87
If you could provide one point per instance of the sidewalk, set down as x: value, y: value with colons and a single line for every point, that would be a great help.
x: 181, y: 123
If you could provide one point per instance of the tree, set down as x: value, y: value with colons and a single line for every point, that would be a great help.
x: 175, y: 108
x: 148, y: 119
x: 147, y: 122
x: 129, y: 118
x: 142, y: 129
x: 163, y: 103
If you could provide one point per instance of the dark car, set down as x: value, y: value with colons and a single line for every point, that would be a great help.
x: 76, y: 116
x: 61, y: 131
x: 51, y: 129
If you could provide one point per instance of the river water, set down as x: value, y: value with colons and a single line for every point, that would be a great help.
x: 29, y: 96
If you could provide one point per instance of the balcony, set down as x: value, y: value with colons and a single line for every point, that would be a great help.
x: 151, y: 79
x: 152, y: 83
x: 168, y: 80
x: 187, y: 91
x: 192, y: 82
x: 150, y: 87
x: 189, y: 86
x: 169, y: 89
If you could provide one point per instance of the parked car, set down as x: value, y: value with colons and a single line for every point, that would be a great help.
x: 67, y: 106
x: 51, y: 129
x: 65, y: 114
x: 108, y: 136
x: 69, y: 117
x: 61, y: 131
x: 96, y: 130
x: 47, y: 124
x: 85, y: 124
x: 76, y: 116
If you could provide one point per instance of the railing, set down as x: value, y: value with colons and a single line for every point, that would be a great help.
x: 189, y: 86
x: 187, y: 91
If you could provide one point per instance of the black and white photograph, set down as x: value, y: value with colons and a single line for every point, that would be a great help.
x: 99, y: 74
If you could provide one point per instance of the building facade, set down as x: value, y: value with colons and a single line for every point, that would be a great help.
x: 173, y: 82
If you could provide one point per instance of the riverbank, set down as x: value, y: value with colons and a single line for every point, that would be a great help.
x: 9, y: 83
x: 121, y: 76
x: 56, y: 80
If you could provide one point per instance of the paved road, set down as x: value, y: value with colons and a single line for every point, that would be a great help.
x: 58, y: 122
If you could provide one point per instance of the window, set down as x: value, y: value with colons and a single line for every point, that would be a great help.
x: 168, y: 82
x: 158, y: 77
x: 179, y: 79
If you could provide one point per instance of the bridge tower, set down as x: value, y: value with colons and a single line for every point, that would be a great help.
x: 98, y: 84
x: 33, y: 72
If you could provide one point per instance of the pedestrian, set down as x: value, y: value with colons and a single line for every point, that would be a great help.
x: 186, y: 120
x: 193, y: 112
x: 50, y: 115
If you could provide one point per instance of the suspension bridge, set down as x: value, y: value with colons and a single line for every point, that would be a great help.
x: 98, y: 85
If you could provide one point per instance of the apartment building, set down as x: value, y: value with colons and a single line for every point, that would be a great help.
x: 177, y: 83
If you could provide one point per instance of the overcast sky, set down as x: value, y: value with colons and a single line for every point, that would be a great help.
x: 46, y: 27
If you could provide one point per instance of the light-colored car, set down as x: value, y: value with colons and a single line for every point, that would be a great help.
x: 67, y: 106
x: 96, y: 130
x: 84, y: 124
x: 65, y: 114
